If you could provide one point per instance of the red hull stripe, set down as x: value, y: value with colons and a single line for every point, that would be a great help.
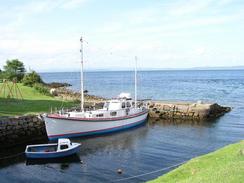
x: 93, y: 131
x: 56, y: 116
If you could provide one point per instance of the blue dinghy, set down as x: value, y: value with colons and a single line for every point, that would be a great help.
x: 56, y: 150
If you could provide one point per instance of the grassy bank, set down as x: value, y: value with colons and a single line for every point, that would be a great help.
x: 33, y: 102
x: 223, y: 165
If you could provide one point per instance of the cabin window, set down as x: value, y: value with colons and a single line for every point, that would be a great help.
x: 99, y: 115
x: 123, y: 105
x: 64, y: 147
x: 128, y: 104
x: 113, y: 113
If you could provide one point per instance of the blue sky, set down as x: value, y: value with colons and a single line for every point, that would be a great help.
x: 163, y: 34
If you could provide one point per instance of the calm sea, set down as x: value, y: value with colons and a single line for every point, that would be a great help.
x: 152, y: 146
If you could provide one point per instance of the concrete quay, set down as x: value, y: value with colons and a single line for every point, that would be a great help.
x: 186, y: 110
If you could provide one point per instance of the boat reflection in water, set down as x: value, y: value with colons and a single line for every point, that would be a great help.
x: 124, y: 140
x: 66, y: 160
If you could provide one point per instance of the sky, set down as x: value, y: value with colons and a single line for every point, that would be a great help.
x: 45, y: 34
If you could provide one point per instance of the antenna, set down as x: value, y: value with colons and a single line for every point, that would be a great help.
x: 81, y: 77
x: 135, y: 81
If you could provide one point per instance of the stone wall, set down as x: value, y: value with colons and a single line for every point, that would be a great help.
x: 27, y: 129
x: 186, y: 111
x: 21, y: 130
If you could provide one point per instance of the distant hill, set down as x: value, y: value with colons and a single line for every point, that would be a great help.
x: 219, y: 68
x: 198, y: 68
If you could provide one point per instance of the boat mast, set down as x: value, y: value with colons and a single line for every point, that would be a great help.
x: 135, y: 81
x: 81, y: 77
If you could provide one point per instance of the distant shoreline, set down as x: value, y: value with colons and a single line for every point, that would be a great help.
x: 151, y: 70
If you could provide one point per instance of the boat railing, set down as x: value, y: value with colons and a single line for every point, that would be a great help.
x: 64, y: 111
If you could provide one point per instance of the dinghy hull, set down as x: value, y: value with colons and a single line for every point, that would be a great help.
x: 54, y: 154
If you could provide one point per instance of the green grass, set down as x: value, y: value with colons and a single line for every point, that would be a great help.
x: 33, y: 102
x: 225, y: 165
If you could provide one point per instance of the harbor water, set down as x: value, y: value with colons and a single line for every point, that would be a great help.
x: 156, y: 145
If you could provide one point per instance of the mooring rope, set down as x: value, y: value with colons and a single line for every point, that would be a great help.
x: 148, y: 173
x: 12, y: 156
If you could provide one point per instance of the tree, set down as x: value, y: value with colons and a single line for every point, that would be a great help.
x: 1, y: 75
x: 14, y: 69
x: 32, y: 78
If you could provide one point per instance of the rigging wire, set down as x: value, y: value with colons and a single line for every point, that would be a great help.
x: 109, y: 51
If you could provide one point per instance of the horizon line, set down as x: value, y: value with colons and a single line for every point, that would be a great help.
x: 153, y: 69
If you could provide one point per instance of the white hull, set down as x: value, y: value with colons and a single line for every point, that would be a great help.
x: 70, y: 127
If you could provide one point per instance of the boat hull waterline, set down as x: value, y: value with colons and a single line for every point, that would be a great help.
x: 57, y: 127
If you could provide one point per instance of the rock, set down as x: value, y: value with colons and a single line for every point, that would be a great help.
x: 9, y: 127
x: 217, y: 110
x: 242, y: 152
x: 199, y: 102
x: 35, y: 119
x: 53, y: 92
x: 58, y: 85
x: 31, y: 124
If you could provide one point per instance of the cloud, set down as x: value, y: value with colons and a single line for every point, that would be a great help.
x: 189, y: 7
x: 168, y: 19
x: 71, y: 4
x: 24, y: 11
x: 166, y: 32
x: 200, y: 51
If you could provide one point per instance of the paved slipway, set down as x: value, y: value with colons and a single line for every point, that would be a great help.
x: 152, y: 146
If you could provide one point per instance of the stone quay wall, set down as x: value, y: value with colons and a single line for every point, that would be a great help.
x: 21, y: 130
x: 27, y: 129
x: 186, y: 110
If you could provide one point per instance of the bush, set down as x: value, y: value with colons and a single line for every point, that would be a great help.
x: 32, y: 78
x: 1, y: 75
x: 42, y: 89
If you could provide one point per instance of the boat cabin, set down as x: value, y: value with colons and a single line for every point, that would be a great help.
x: 123, y: 101
x: 64, y: 144
x: 123, y: 105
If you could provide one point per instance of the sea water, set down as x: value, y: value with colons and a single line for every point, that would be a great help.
x: 156, y: 145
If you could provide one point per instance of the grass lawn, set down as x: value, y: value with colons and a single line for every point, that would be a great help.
x: 33, y: 102
x: 223, y: 165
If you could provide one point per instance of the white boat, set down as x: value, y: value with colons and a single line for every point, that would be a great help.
x: 58, y: 150
x: 117, y: 114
